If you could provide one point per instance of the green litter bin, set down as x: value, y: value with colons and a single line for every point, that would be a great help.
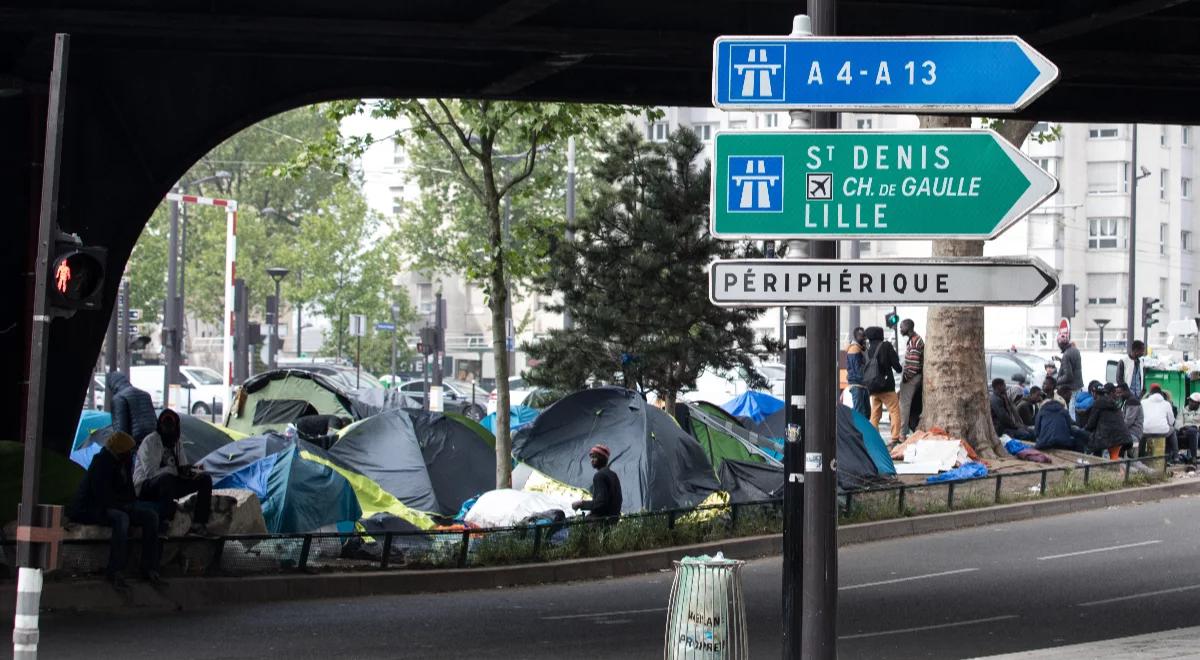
x: 1173, y: 383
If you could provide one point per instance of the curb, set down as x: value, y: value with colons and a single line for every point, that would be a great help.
x: 195, y: 593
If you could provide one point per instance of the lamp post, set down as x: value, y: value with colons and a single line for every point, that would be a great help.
x: 277, y: 273
x: 290, y: 219
x: 1101, y: 323
x: 1131, y: 293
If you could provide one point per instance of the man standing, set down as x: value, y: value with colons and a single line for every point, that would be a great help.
x: 606, y: 487
x: 1070, y: 371
x: 132, y: 409
x: 163, y: 474
x: 1131, y: 370
x: 910, y: 381
x: 879, y: 379
x: 856, y: 361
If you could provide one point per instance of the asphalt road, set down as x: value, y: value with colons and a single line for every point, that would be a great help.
x: 1029, y: 585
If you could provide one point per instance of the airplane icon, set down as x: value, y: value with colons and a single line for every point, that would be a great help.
x: 820, y: 185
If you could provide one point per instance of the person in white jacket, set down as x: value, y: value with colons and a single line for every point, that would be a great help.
x: 162, y: 474
x: 1158, y: 420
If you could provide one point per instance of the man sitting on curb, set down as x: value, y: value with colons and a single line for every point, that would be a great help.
x: 106, y: 497
x: 606, y: 487
x: 1189, y: 426
x: 163, y: 474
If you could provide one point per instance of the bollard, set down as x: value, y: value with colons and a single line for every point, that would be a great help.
x: 706, y: 616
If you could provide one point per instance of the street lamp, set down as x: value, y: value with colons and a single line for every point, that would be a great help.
x: 277, y: 273
x: 1132, y: 289
x: 1101, y: 323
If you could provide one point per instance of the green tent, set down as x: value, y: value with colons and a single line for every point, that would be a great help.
x: 272, y: 400
x: 719, y: 434
x: 60, y: 478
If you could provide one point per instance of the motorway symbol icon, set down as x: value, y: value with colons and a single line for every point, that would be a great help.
x: 965, y: 74
x: 755, y: 184
x: 888, y: 184
x: 945, y: 281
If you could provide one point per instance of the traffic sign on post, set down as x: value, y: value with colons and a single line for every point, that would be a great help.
x: 946, y: 281
x: 916, y: 74
x: 858, y: 184
x: 386, y: 327
x: 358, y: 325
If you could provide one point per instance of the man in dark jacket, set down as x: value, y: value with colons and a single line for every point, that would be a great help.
x: 1004, y: 414
x: 1106, y: 422
x: 1070, y: 373
x: 879, y: 377
x: 106, y: 497
x: 606, y: 487
x: 132, y: 409
x: 856, y: 359
x: 1054, y: 429
x: 1028, y: 405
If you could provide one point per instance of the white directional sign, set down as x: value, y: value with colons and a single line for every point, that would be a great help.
x: 936, y: 281
x: 358, y: 325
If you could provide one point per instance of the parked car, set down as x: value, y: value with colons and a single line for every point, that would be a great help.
x: 518, y: 391
x: 1006, y: 364
x: 456, y: 397
x: 203, y: 387
x: 720, y: 386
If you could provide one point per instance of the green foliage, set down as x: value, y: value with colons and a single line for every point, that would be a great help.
x: 635, y: 279
x: 1052, y: 134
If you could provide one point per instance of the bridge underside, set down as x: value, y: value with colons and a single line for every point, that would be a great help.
x: 152, y: 90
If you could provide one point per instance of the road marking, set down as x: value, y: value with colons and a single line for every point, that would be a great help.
x: 1145, y: 595
x: 1094, y: 550
x: 598, y: 614
x: 899, y: 631
x: 906, y: 579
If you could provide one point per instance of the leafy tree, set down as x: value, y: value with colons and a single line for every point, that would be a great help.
x: 635, y: 280
x: 472, y: 156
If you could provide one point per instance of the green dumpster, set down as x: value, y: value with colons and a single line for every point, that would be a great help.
x: 1174, y: 383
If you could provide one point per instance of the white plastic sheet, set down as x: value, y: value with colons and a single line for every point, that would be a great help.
x: 506, y: 507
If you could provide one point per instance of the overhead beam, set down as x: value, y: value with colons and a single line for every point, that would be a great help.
x: 512, y: 12
x: 1099, y: 20
x: 526, y: 76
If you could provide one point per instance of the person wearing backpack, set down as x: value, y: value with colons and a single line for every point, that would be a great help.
x: 879, y: 377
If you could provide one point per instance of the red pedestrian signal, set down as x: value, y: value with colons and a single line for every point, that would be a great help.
x: 76, y: 276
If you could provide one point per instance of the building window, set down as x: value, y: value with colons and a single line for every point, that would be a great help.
x: 658, y: 131
x: 1108, y: 178
x: 1185, y: 187
x: 1162, y: 238
x: 1105, y: 233
x: 771, y: 120
x: 1050, y: 165
x: 1183, y: 293
x: 1102, y: 133
x: 397, y: 200
x: 738, y: 125
x: 1040, y: 127
x: 703, y: 131
x: 1163, y: 175
x: 1102, y: 288
x: 1162, y: 136
x: 1185, y: 241
x: 865, y: 123
x: 397, y: 153
x: 1185, y: 136
x: 425, y: 298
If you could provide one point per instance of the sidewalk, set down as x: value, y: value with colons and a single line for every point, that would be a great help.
x: 1178, y: 643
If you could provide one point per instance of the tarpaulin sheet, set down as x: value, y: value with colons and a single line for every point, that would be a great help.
x: 756, y: 406
x: 660, y: 466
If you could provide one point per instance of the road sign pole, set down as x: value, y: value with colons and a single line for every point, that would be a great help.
x: 818, y: 604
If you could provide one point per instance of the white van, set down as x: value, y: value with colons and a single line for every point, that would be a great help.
x: 206, y: 388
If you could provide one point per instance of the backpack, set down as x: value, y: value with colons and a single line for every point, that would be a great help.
x: 873, y: 377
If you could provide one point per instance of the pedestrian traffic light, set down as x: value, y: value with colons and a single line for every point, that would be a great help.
x: 429, y: 341
x: 1068, y: 295
x: 1149, y: 310
x: 76, y: 278
x: 892, y: 319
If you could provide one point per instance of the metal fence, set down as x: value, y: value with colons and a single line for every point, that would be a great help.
x: 586, y: 537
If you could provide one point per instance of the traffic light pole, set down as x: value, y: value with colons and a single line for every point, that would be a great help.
x: 29, y: 578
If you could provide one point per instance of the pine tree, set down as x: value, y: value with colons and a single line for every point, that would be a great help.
x: 635, y: 279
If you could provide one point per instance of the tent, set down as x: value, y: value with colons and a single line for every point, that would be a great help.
x: 460, y: 456
x: 872, y: 440
x: 720, y: 435
x: 200, y: 438
x: 272, y: 400
x: 752, y: 405
x: 297, y: 494
x: 747, y: 481
x: 59, y: 480
x: 659, y: 464
x: 517, y: 418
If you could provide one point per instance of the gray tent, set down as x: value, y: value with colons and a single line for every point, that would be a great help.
x: 659, y: 464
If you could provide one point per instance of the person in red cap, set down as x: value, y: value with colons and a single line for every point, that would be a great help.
x: 606, y: 487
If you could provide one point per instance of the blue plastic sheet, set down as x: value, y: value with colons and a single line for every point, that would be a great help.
x: 754, y: 405
x: 1014, y: 447
x: 970, y: 470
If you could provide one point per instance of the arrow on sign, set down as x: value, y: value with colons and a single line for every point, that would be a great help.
x: 916, y: 74
x: 886, y: 184
x: 971, y: 281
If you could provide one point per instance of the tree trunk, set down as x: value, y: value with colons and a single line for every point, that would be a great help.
x: 955, y: 388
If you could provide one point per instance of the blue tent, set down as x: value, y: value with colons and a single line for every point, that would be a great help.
x: 84, y: 448
x: 518, y: 418
x: 874, y: 444
x: 756, y: 406
x: 297, y: 495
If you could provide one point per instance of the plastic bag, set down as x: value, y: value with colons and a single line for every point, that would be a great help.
x: 965, y: 471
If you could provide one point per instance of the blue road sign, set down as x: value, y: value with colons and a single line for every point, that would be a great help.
x: 755, y: 184
x: 385, y: 326
x: 973, y: 74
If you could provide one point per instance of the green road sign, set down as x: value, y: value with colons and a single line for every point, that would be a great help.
x: 887, y: 184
